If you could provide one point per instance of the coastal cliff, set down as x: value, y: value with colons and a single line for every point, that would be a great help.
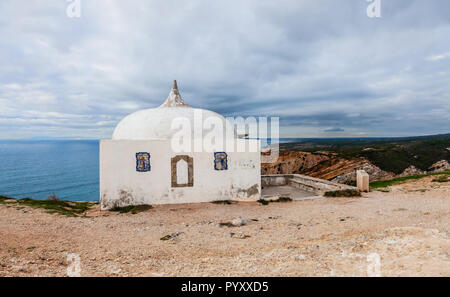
x: 382, y: 159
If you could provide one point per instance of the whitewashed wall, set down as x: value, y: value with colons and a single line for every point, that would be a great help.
x: 122, y: 185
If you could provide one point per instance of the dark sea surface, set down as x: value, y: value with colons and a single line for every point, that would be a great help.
x: 36, y: 169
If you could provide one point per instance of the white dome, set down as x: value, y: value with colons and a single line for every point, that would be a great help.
x: 157, y: 123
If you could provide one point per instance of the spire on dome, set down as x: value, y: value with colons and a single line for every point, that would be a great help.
x: 174, y: 99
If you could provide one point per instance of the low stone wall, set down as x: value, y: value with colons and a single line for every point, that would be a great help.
x: 303, y: 182
x: 274, y: 180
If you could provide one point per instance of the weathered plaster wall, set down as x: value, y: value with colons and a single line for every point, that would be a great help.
x: 121, y: 184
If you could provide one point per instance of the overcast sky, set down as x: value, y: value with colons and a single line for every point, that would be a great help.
x: 324, y: 67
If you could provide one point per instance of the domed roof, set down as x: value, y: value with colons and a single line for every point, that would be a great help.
x: 163, y: 122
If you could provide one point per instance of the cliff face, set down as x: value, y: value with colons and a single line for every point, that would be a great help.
x: 293, y: 162
x: 329, y: 166
x: 344, y: 171
x: 322, y: 165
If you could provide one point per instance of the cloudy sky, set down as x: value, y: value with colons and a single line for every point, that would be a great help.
x: 323, y: 66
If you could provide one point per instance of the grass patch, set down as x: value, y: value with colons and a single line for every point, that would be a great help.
x: 67, y: 208
x: 343, y: 193
x: 401, y: 180
x: 133, y: 209
x: 279, y: 200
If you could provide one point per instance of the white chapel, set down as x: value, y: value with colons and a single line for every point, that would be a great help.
x: 177, y: 154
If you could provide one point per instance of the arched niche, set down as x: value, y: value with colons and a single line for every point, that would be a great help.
x: 182, y: 171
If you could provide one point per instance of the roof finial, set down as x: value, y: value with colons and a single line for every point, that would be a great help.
x: 174, y: 99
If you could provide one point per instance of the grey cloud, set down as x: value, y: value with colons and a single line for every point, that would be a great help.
x: 316, y: 64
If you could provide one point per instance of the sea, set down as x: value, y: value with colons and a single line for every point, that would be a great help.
x: 68, y: 168
x: 37, y: 168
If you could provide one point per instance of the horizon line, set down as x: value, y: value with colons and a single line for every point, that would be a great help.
x: 43, y: 138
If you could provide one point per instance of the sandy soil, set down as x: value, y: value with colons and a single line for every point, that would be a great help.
x: 407, y: 227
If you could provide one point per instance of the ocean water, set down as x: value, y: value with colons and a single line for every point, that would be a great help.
x: 38, y: 168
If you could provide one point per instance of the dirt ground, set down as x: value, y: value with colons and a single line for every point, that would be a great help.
x: 400, y: 233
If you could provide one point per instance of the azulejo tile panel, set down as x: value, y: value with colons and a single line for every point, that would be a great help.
x: 220, y: 161
x: 143, y: 162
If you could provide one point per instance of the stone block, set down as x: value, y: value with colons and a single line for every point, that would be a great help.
x: 362, y: 181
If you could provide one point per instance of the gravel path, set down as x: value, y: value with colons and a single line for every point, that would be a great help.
x: 406, y: 228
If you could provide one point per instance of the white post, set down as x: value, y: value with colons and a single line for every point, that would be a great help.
x: 362, y: 181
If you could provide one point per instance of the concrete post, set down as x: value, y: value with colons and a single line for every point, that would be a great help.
x: 362, y: 181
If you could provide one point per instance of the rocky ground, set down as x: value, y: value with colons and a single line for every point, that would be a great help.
x: 406, y: 229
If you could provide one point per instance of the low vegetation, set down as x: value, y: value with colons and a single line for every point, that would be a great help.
x: 67, y: 208
x: 225, y: 202
x: 279, y: 200
x: 133, y: 209
x: 343, y: 193
x: 441, y: 179
x: 400, y: 180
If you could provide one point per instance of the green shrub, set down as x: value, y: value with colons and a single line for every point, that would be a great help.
x: 263, y: 201
x: 343, y: 193
x: 226, y: 202
x: 279, y: 200
x: 134, y: 209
